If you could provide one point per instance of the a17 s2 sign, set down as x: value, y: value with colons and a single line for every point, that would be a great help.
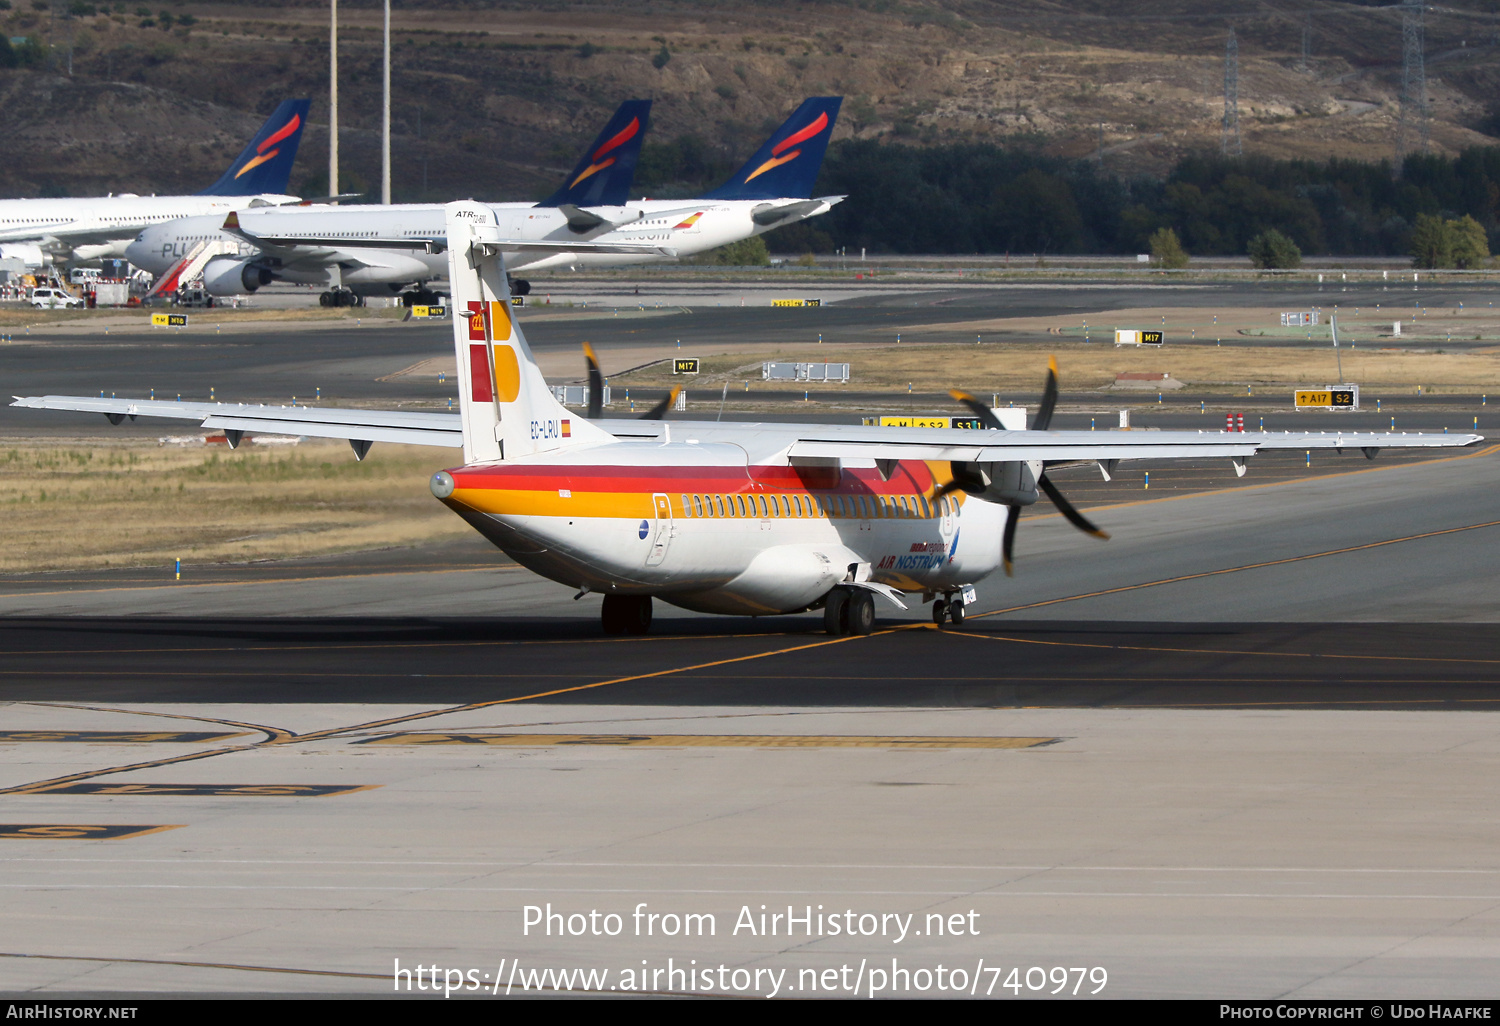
x: 1343, y: 397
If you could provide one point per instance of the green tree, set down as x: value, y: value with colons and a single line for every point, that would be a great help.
x: 1274, y: 251
x: 1431, y: 242
x: 1166, y: 251
x: 662, y: 57
x: 749, y: 252
x: 1471, y: 248
x: 8, y: 56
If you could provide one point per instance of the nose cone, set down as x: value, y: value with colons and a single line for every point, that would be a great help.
x: 146, y: 255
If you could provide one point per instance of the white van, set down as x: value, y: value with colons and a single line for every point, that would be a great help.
x: 45, y: 297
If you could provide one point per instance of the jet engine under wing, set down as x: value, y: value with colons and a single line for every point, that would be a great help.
x: 317, y: 422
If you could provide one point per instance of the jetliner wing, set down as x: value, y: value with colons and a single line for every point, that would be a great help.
x: 437, y: 244
x: 317, y: 422
x: 801, y: 210
x: 91, y: 233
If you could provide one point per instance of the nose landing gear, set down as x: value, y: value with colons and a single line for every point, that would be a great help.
x: 948, y: 609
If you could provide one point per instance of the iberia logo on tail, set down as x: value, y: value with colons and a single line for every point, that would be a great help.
x: 261, y: 155
x: 778, y: 152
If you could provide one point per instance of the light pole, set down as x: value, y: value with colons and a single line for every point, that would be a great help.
x: 333, y: 98
x: 385, y: 121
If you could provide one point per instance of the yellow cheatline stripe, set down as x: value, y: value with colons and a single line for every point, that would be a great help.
x: 547, y: 503
x: 564, y: 691
x: 1234, y: 569
x: 1486, y: 451
x: 1221, y: 651
x: 712, y: 740
x: 197, y: 965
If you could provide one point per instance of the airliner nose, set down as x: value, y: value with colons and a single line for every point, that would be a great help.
x: 143, y: 254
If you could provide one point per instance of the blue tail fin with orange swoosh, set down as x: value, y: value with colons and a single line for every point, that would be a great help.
x: 788, y: 164
x: 602, y: 178
x: 265, y: 166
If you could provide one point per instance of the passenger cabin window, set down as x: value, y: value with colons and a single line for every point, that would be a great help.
x: 739, y: 502
x: 719, y: 504
x: 698, y: 504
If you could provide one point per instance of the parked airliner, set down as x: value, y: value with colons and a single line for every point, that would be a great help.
x: 85, y: 229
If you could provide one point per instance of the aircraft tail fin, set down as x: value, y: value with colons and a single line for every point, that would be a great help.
x: 507, y: 409
x: 265, y: 166
x: 603, y: 176
x: 788, y: 164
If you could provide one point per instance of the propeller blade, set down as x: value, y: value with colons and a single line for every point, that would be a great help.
x: 1065, y: 507
x: 983, y: 412
x: 596, y: 383
x: 659, y: 411
x: 1008, y: 541
x: 1043, y: 418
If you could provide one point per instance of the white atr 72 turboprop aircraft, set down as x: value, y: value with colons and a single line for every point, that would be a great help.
x: 581, y: 225
x: 721, y: 517
x: 101, y: 226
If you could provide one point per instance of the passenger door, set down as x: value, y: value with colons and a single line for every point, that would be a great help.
x: 662, y: 530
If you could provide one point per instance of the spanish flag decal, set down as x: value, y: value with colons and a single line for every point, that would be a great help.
x: 688, y: 223
x: 567, y: 429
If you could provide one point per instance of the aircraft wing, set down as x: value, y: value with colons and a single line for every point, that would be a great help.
x: 61, y: 233
x: 1082, y: 446
x: 772, y: 442
x: 794, y: 210
x: 439, y: 243
x: 776, y: 443
x: 316, y: 422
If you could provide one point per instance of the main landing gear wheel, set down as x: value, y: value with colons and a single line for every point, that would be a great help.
x: 626, y: 614
x: 956, y: 612
x: 340, y: 297
x: 849, y: 611
x: 939, y: 613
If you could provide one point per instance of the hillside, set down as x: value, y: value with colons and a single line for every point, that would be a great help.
x: 494, y: 100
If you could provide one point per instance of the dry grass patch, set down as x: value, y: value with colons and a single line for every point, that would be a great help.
x: 1008, y: 366
x: 91, y: 505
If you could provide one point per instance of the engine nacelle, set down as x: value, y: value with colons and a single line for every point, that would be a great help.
x: 234, y: 276
x: 29, y: 253
x: 1009, y: 484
